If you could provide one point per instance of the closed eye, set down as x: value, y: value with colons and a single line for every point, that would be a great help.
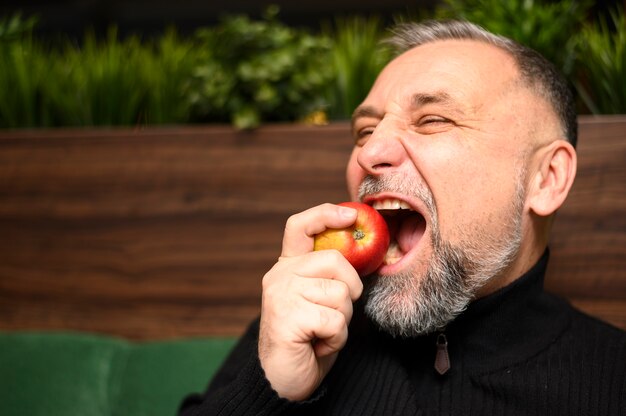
x: 433, y: 124
x: 433, y: 119
x: 361, y: 135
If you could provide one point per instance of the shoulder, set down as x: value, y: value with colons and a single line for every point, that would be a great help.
x: 591, y: 328
x: 594, y: 342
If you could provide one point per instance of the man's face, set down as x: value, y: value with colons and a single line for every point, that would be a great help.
x: 445, y: 131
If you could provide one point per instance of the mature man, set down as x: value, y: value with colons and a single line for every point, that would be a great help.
x: 466, y: 144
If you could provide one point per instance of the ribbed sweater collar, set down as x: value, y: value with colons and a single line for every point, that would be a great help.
x: 501, y: 329
x: 509, y: 325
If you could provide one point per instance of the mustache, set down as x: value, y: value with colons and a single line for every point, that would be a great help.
x: 399, y: 184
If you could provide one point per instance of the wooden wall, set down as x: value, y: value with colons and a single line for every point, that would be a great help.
x: 166, y: 233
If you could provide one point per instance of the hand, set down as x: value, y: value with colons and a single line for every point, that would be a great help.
x: 307, y: 305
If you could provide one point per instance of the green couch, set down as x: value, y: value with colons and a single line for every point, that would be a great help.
x: 87, y: 375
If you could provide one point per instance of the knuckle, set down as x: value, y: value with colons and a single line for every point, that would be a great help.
x: 326, y: 286
x: 266, y: 281
x: 334, y: 256
x: 323, y: 317
x: 358, y: 289
x: 269, y: 283
x: 332, y: 320
x: 276, y: 275
x: 342, y: 290
x: 292, y: 221
x: 339, y: 323
x: 271, y: 292
x: 334, y: 289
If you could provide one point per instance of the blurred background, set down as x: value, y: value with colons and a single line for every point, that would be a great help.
x: 97, y: 62
x: 151, y: 152
x: 73, y: 17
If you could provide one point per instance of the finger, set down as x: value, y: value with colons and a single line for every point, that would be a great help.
x: 326, y: 264
x: 334, y: 294
x: 301, y: 228
x: 328, y: 328
x: 332, y: 333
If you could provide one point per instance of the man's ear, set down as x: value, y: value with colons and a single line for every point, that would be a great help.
x: 553, y: 178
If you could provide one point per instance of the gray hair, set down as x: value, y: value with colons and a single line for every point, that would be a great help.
x: 536, y: 71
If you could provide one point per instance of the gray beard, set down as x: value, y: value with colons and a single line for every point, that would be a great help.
x: 409, y: 304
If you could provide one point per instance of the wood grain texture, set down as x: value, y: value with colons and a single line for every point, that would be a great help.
x: 166, y: 233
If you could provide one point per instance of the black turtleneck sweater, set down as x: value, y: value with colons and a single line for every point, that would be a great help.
x: 519, y: 351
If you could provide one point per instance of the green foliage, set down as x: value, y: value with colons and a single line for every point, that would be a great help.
x: 14, y: 27
x: 357, y: 57
x: 100, y: 82
x: 120, y: 82
x: 602, y: 51
x: 546, y: 26
x: 246, y: 72
x: 166, y: 71
x: 259, y: 71
x: 23, y: 72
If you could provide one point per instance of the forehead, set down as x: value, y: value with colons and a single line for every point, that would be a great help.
x: 466, y: 71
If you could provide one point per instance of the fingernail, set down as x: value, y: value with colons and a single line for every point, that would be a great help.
x: 347, y: 212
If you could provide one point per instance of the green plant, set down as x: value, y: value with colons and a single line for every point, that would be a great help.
x: 122, y: 82
x: 357, y: 57
x: 14, y: 27
x: 602, y: 50
x: 546, y: 26
x: 259, y: 71
x: 246, y: 72
x: 166, y: 66
x: 23, y: 71
x: 99, y: 82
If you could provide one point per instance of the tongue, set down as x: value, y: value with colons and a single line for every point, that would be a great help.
x: 410, y: 232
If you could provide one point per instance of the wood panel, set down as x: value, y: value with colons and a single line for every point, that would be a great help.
x: 152, y: 234
x: 165, y: 233
x: 588, y: 257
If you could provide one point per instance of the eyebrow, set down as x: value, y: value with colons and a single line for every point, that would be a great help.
x: 365, y: 111
x: 417, y: 100
x: 441, y: 97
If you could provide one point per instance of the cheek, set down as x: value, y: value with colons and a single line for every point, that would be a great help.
x: 354, y: 175
x: 480, y: 200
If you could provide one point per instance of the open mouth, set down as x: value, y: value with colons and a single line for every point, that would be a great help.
x: 406, y: 227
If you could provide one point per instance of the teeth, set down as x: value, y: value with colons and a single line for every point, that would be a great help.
x: 390, y: 204
x: 393, y: 254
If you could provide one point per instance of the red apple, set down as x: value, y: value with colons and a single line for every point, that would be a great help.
x: 364, y: 244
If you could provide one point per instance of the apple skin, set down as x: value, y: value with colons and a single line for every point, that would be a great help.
x: 364, y: 244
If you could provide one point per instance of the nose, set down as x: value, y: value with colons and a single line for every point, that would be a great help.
x: 383, y: 151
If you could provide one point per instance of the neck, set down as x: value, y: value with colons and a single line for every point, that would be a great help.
x: 536, y: 233
x: 523, y: 262
x: 516, y: 320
